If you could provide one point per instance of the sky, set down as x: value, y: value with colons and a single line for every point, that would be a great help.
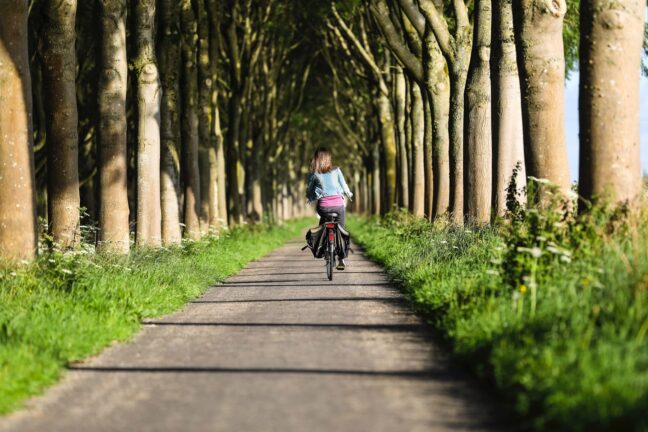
x: 571, y: 119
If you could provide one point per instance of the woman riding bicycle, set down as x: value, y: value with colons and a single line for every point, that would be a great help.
x: 327, y: 186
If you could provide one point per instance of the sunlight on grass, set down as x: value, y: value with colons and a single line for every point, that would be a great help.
x: 65, y: 307
x: 573, y: 358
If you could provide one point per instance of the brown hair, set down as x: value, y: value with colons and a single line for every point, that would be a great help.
x: 321, y: 161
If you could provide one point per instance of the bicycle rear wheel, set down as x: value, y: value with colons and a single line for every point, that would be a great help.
x: 330, y: 257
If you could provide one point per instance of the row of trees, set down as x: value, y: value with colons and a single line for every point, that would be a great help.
x: 172, y: 118
x: 159, y: 118
x: 463, y: 92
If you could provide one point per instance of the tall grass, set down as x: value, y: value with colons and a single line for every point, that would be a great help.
x: 67, y: 306
x: 550, y: 309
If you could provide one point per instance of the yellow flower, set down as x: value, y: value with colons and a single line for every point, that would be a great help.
x: 522, y: 288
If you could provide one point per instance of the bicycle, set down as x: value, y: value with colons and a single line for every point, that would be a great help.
x: 329, y: 243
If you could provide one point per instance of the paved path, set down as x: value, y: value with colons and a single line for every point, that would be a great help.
x: 275, y: 348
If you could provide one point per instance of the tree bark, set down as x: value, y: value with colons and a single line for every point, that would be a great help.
x: 18, y: 232
x: 232, y: 161
x: 149, y: 217
x: 170, y: 63
x: 610, y: 63
x: 418, y: 136
x: 399, y: 111
x: 438, y: 83
x: 508, y: 131
x: 205, y: 114
x: 59, y: 87
x: 375, y: 180
x: 256, y: 175
x: 220, y: 160
x: 218, y: 192
x: 190, y: 139
x: 457, y: 150
x: 542, y: 78
x: 429, y: 156
x: 479, y: 137
x: 389, y: 145
x: 113, y: 164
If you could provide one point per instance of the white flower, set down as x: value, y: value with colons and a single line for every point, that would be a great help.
x: 539, y: 180
x: 536, y: 252
x: 66, y: 271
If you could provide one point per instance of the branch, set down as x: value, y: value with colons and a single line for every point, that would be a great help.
x: 439, y: 27
x: 461, y: 14
x: 381, y: 14
x: 364, y: 51
x: 414, y: 15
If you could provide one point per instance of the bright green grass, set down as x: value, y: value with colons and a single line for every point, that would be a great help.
x: 580, y: 363
x: 64, y: 308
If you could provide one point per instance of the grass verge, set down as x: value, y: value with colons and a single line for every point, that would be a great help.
x: 65, y: 307
x: 554, y: 314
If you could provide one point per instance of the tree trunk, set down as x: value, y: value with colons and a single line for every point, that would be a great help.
x: 220, y: 161
x: 408, y: 148
x: 542, y: 77
x: 438, y: 84
x: 59, y: 87
x: 218, y: 192
x: 190, y: 123
x: 256, y: 175
x: 610, y: 63
x: 389, y: 145
x: 457, y: 150
x: 113, y: 164
x: 375, y: 181
x: 18, y: 232
x: 479, y: 140
x: 418, y: 136
x: 508, y: 132
x: 170, y: 63
x: 399, y: 102
x: 429, y: 156
x: 205, y: 110
x: 232, y: 161
x: 149, y: 218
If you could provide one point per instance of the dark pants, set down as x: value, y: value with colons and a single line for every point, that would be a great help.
x: 323, y: 212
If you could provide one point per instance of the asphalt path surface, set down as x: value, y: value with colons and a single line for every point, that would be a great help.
x: 275, y: 348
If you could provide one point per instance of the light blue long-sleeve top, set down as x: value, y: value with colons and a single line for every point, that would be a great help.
x: 326, y: 184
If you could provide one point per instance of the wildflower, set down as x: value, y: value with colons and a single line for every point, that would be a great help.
x: 522, y: 288
x: 66, y: 271
x: 571, y: 195
x: 492, y: 272
x: 553, y: 249
x: 539, y: 180
x: 535, y: 252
